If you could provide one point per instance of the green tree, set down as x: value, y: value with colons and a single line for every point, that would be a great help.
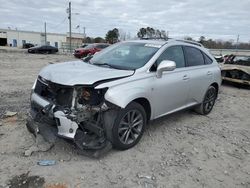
x: 112, y: 36
x: 188, y: 38
x: 99, y: 40
x: 202, y: 39
x: 142, y: 33
x: 150, y: 32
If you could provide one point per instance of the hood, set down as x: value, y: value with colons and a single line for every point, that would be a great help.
x: 81, y: 49
x: 80, y: 73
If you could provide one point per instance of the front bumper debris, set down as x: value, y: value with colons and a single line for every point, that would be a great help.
x: 51, y: 122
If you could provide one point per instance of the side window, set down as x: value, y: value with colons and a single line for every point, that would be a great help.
x: 207, y: 59
x: 173, y: 53
x: 194, y: 56
x: 99, y: 46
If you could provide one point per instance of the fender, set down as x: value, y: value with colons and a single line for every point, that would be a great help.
x: 122, y: 96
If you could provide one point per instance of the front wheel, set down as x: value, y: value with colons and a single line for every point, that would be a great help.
x: 129, y: 126
x: 208, y: 102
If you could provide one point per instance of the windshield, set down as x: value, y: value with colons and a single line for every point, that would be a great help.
x: 129, y: 55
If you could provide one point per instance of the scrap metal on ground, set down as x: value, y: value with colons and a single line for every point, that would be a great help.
x: 236, y: 69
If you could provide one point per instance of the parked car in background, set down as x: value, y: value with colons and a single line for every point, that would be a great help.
x: 111, y: 97
x: 90, y: 49
x: 28, y: 45
x: 84, y: 45
x: 45, y: 49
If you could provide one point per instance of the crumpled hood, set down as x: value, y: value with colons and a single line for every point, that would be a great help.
x: 80, y: 73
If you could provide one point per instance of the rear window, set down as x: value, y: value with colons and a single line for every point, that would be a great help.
x: 193, y: 56
x: 207, y: 59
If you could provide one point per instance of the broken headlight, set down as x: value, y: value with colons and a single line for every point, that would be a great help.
x: 91, y: 96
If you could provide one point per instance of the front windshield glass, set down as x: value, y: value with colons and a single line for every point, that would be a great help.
x: 129, y: 55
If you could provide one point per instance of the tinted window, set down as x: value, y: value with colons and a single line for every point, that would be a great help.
x: 207, y: 59
x: 194, y: 56
x: 173, y: 53
x: 102, y: 46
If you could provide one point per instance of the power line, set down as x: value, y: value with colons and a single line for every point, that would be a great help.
x: 59, y: 23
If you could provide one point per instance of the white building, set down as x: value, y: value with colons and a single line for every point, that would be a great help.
x: 17, y: 38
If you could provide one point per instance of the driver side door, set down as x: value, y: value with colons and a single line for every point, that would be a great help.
x: 170, y: 92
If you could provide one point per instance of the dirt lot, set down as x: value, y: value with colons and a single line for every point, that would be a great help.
x: 181, y: 150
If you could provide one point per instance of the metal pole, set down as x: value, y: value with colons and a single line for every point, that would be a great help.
x: 45, y: 33
x: 237, y: 42
x: 84, y: 28
x: 84, y: 35
x: 70, y: 27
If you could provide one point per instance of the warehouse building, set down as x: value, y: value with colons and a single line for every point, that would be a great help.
x: 16, y: 38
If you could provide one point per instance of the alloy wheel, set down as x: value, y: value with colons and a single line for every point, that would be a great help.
x: 130, y: 127
x: 209, y: 99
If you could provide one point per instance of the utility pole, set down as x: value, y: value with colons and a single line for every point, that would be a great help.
x: 45, y: 33
x: 69, y: 17
x: 84, y: 28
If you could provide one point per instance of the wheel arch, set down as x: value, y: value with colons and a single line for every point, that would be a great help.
x: 146, y: 105
x: 216, y: 85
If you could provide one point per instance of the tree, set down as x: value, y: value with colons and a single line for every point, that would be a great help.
x: 88, y: 40
x: 99, y: 40
x: 142, y: 33
x: 150, y: 32
x: 202, y: 39
x: 112, y: 36
x: 188, y: 38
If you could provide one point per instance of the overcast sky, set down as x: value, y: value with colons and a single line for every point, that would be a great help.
x: 217, y: 19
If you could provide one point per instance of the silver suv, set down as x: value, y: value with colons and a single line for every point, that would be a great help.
x: 111, y: 96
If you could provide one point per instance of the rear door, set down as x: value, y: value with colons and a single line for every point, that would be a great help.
x: 199, y: 73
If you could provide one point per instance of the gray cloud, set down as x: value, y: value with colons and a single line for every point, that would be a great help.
x: 222, y: 19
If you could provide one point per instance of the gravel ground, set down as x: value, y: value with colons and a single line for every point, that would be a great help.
x: 181, y: 150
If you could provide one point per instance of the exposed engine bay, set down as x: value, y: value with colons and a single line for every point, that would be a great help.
x: 77, y: 112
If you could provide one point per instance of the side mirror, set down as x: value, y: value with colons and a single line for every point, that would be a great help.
x: 165, y: 65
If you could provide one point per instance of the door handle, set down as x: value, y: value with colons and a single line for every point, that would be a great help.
x: 209, y: 73
x: 185, y: 77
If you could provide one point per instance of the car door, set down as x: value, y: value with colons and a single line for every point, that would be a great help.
x: 199, y: 72
x: 42, y: 49
x: 171, y: 90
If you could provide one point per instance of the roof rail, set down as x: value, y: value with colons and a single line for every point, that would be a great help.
x: 190, y: 42
x: 154, y: 38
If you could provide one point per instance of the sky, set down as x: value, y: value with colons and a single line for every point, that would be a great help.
x: 216, y: 19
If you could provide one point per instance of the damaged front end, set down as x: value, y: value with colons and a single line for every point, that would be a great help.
x: 75, y: 112
x: 236, y: 69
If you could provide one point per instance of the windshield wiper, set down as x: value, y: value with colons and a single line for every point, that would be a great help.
x: 107, y: 65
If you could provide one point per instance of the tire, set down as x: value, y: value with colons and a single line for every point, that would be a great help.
x: 126, y: 134
x: 208, y: 101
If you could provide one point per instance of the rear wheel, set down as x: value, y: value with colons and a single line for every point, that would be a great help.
x: 129, y: 126
x: 208, y: 102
